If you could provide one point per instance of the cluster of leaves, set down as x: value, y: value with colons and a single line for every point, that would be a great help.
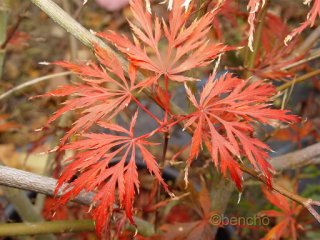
x: 254, y: 6
x: 221, y: 120
x: 273, y: 59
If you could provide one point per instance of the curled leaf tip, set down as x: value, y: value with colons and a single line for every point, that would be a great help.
x: 44, y: 63
x: 186, y: 174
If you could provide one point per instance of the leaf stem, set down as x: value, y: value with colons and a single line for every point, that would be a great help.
x: 158, y: 195
x: 146, y: 110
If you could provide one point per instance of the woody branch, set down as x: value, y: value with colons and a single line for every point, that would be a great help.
x: 29, y: 181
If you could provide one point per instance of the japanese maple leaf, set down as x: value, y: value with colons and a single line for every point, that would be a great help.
x: 273, y: 57
x: 296, y: 133
x: 187, y: 44
x: 99, y: 95
x: 287, y: 224
x: 105, y: 163
x: 223, y: 119
x: 199, y: 229
x: 310, y: 21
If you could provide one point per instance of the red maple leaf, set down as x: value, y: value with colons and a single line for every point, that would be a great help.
x: 225, y: 112
x: 198, y: 229
x: 185, y: 50
x: 95, y: 100
x: 272, y: 58
x: 296, y: 133
x: 106, y: 163
x: 287, y: 216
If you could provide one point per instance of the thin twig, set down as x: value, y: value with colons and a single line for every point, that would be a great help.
x: 32, y: 82
x: 307, y: 43
x: 298, y: 80
x: 307, y: 156
x: 156, y: 183
x: 307, y: 203
x: 72, y: 26
x: 4, y: 16
x: 313, y: 55
x: 15, y: 26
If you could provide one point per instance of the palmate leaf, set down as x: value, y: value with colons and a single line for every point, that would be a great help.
x: 226, y: 109
x: 287, y: 216
x: 99, y: 95
x: 187, y: 45
x: 272, y: 58
x: 197, y: 229
x: 93, y: 168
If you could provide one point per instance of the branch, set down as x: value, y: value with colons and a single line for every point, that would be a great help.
x: 72, y: 26
x: 307, y: 156
x: 16, y: 229
x: 16, y: 178
x: 32, y: 82
x: 307, y: 43
x: 26, y: 210
x: 307, y: 203
x: 298, y: 79
x: 300, y: 158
